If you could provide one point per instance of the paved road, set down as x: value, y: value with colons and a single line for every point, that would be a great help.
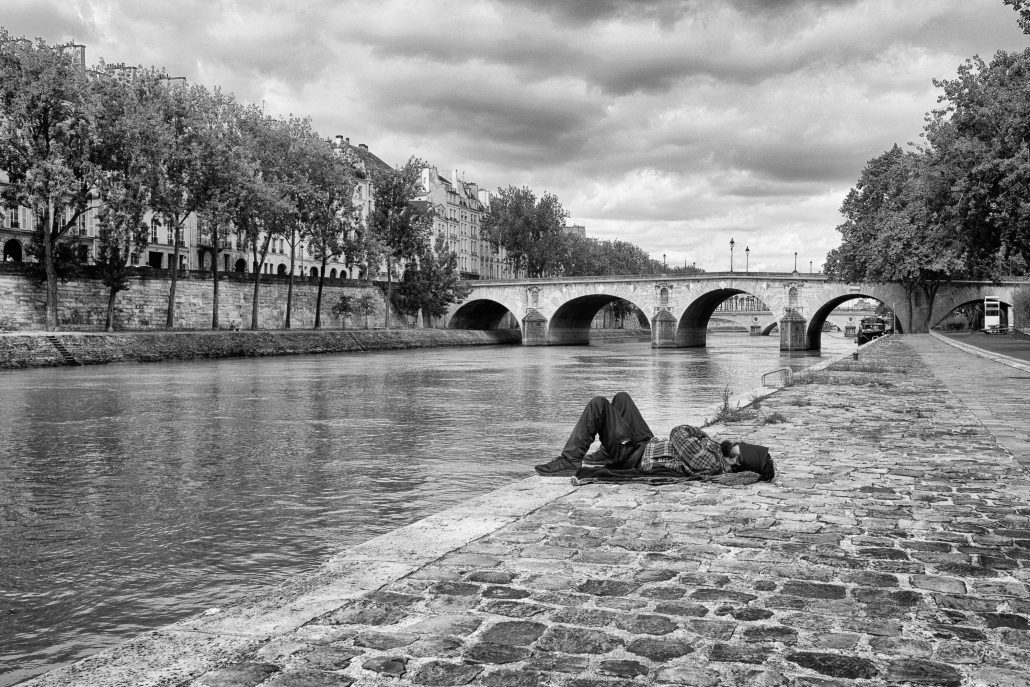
x: 998, y: 394
x: 1005, y: 344
x: 894, y: 548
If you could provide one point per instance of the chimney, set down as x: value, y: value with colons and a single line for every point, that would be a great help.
x: 454, y: 177
x: 363, y: 147
x: 80, y: 54
x: 473, y: 189
x: 338, y: 142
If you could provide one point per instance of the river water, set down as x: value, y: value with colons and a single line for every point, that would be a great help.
x: 135, y: 495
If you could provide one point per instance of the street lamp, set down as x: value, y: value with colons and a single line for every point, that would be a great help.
x: 747, y: 259
x: 731, y: 255
x: 810, y: 267
x: 795, y: 261
x: 665, y: 265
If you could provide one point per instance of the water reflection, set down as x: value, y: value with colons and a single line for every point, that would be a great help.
x: 134, y: 495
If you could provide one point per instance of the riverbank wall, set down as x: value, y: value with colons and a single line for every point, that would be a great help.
x: 892, y: 548
x: 86, y: 348
x: 82, y: 300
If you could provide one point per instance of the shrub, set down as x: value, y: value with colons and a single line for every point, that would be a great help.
x: 1021, y: 308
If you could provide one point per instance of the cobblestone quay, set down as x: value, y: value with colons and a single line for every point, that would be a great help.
x: 894, y: 548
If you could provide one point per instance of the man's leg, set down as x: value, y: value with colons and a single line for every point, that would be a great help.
x: 599, y: 418
x: 603, y: 420
x: 624, y: 405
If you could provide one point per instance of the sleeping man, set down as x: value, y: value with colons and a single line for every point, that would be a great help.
x: 628, y: 444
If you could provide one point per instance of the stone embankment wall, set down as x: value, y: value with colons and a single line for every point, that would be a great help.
x: 82, y: 301
x: 39, y: 350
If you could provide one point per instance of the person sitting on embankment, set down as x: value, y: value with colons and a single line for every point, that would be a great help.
x: 628, y: 446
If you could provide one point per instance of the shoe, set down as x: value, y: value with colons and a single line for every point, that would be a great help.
x: 559, y: 467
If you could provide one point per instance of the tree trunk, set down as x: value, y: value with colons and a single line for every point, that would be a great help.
x: 49, y: 247
x: 318, y: 298
x: 214, y: 281
x: 289, y: 286
x: 930, y: 291
x: 109, y: 324
x: 170, y: 314
x: 908, y: 293
x: 257, y: 280
x: 389, y: 289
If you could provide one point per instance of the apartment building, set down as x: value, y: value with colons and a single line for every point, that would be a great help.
x: 459, y: 207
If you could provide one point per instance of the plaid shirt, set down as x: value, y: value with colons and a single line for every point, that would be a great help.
x: 687, y: 451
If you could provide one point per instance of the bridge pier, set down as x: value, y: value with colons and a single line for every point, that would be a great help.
x: 793, y: 331
x: 663, y: 330
x: 534, y: 329
x: 692, y: 336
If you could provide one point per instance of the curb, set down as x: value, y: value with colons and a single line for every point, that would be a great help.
x: 981, y: 353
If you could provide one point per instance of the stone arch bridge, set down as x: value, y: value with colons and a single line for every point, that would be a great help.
x: 559, y: 311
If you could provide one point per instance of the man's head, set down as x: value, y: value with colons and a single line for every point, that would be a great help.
x: 750, y: 457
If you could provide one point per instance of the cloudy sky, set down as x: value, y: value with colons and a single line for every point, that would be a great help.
x: 674, y: 124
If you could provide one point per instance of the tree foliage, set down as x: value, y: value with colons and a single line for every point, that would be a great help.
x: 528, y: 229
x: 431, y: 282
x: 400, y: 224
x: 48, y: 119
x: 894, y: 229
x: 1021, y: 308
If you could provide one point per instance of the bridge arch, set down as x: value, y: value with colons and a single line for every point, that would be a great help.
x: 570, y: 323
x: 1006, y: 307
x: 814, y: 332
x: 481, y: 313
x: 692, y: 330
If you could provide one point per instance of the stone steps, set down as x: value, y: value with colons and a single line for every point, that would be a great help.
x: 66, y: 355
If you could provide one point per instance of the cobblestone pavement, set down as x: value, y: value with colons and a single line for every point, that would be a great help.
x: 894, y: 548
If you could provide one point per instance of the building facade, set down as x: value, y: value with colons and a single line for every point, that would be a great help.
x: 458, y: 210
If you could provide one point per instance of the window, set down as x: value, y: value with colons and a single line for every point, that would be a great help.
x: 154, y: 224
x: 13, y: 217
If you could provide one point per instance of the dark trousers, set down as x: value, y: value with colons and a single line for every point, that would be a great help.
x: 620, y: 427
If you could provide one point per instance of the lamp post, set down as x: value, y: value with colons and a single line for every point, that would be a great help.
x: 810, y: 267
x: 747, y: 259
x: 665, y: 265
x: 731, y: 255
x: 795, y: 261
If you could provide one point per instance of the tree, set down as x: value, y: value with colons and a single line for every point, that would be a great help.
x: 188, y: 173
x: 1023, y: 8
x: 305, y: 164
x: 528, y: 229
x: 344, y: 308
x: 367, y: 304
x: 894, y: 230
x: 1021, y: 308
x: 400, y: 224
x: 128, y: 141
x: 221, y: 165
x: 328, y: 209
x: 264, y: 208
x: 431, y: 282
x: 981, y: 139
x: 48, y: 113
